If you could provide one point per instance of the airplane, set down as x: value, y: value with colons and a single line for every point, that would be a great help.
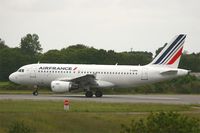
x: 93, y: 78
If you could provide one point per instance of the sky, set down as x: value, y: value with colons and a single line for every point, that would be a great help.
x: 120, y: 25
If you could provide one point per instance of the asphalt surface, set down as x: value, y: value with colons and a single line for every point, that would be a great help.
x: 166, y: 99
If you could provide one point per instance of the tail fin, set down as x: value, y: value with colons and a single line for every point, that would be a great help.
x: 171, y: 53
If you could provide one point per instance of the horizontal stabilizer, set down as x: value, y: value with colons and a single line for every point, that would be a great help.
x: 169, y: 72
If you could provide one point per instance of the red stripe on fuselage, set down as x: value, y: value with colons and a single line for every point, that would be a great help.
x: 176, y: 56
x: 75, y: 68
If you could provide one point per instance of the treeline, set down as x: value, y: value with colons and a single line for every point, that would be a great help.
x: 30, y: 51
x: 81, y: 54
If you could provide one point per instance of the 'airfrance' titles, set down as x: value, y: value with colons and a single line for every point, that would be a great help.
x: 55, y: 68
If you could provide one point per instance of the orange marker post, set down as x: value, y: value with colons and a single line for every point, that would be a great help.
x: 66, y: 104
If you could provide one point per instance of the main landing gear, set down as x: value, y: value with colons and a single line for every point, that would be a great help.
x: 35, y: 92
x: 89, y: 93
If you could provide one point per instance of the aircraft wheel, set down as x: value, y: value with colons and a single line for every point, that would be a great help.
x: 35, y: 93
x: 98, y: 94
x: 89, y: 94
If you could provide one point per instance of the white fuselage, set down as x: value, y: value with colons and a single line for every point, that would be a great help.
x: 106, y: 75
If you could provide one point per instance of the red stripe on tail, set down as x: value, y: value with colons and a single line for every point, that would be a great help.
x: 176, y: 56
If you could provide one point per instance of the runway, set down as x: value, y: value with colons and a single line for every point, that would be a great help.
x: 165, y: 99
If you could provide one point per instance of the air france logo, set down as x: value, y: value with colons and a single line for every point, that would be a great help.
x: 58, y: 68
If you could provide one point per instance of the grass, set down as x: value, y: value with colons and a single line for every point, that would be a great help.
x: 77, y: 106
x: 83, y: 117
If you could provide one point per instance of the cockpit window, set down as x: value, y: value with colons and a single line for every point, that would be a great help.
x: 21, y: 70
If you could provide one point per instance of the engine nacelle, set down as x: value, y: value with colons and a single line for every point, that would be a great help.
x: 60, y: 86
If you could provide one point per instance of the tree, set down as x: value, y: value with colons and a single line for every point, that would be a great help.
x: 160, y: 49
x: 30, y: 44
x: 2, y: 44
x: 77, y: 46
x: 10, y: 60
x: 52, y: 56
x: 190, y: 62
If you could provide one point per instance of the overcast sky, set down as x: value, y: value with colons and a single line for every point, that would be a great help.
x: 120, y: 25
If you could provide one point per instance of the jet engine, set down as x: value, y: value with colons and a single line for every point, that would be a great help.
x: 61, y: 86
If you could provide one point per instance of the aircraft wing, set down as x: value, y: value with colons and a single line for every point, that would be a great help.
x: 86, y: 80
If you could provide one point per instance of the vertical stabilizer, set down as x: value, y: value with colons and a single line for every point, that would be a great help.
x: 171, y: 53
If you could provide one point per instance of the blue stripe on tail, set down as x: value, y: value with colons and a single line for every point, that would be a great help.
x: 180, y: 43
x: 170, y: 47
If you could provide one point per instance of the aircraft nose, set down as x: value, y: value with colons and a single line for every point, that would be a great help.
x: 12, y: 77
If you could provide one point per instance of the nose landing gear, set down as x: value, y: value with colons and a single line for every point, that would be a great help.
x: 35, y: 92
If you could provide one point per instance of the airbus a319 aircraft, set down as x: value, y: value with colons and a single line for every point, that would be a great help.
x: 92, y: 78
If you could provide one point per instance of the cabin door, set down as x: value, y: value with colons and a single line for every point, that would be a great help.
x: 33, y: 73
x: 144, y: 75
